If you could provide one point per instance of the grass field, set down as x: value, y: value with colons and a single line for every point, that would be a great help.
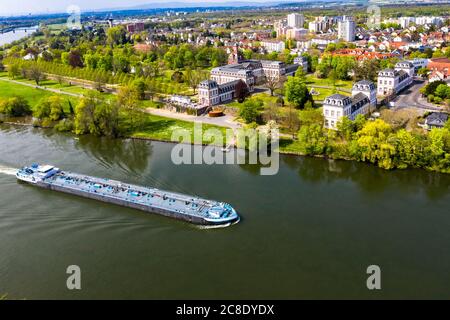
x: 32, y: 95
x: 52, y: 84
x: 312, y: 81
x: 155, y: 127
x: 160, y: 128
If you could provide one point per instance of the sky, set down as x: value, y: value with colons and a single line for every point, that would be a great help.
x: 14, y: 7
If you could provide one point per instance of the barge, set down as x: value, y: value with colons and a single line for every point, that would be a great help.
x: 175, y: 205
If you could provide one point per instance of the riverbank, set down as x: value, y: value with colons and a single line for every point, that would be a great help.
x: 165, y: 135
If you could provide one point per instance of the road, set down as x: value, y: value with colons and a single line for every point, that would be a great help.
x: 412, y: 98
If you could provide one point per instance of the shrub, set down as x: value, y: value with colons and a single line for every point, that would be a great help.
x: 15, y: 107
x: 65, y: 125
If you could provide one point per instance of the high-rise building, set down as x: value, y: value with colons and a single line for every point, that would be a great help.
x: 295, y: 20
x: 347, y: 29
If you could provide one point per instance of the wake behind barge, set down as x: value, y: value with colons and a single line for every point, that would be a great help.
x: 183, y: 207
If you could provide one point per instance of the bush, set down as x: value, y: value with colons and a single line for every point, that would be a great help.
x: 437, y: 100
x: 250, y: 111
x: 51, y: 107
x: 65, y: 125
x: 15, y: 107
x: 178, y: 77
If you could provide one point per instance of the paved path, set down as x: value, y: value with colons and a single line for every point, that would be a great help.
x: 42, y: 88
x: 412, y: 98
x: 225, y: 121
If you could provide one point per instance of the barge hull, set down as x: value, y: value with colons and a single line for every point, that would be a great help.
x: 123, y: 203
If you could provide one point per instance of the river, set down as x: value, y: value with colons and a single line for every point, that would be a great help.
x: 310, y: 231
x: 18, y: 34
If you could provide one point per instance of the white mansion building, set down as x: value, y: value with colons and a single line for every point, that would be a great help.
x: 392, y: 81
x: 227, y: 80
x: 364, y: 96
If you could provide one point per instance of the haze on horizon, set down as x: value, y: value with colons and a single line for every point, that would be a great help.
x: 24, y: 7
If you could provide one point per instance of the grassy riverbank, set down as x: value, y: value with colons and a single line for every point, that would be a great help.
x: 153, y: 127
x: 32, y: 95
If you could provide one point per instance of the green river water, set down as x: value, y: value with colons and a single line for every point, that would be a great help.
x: 310, y: 231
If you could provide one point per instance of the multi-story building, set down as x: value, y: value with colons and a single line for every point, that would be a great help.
x: 273, y: 69
x: 273, y: 46
x: 393, y: 81
x: 227, y: 80
x: 135, y: 27
x: 419, y: 63
x: 320, y: 24
x: 296, y: 33
x: 347, y: 29
x: 211, y: 93
x: 337, y: 106
x: 230, y: 73
x: 295, y: 20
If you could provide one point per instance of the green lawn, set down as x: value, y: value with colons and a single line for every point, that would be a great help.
x: 266, y: 98
x: 161, y: 128
x: 52, y: 84
x: 312, y: 81
x: 32, y: 95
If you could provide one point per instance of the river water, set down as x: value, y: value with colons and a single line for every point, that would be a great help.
x: 310, y: 231
x: 18, y: 34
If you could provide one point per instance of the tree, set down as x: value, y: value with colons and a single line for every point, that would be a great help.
x: 374, y: 146
x: 408, y: 147
x: 116, y: 35
x: 271, y: 112
x: 292, y: 122
x: 312, y: 139
x: 140, y: 86
x: 423, y: 72
x: 367, y: 70
x: 194, y: 77
x: 84, y: 113
x: 296, y: 92
x: 272, y: 83
x: 346, y: 128
x: 106, y: 117
x: 442, y: 91
x: 241, y: 91
x: 75, y: 59
x: 177, y: 77
x: 36, y: 74
x: 15, y: 107
x: 250, y: 110
x: 128, y: 98
x: 13, y: 70
x: 51, y: 108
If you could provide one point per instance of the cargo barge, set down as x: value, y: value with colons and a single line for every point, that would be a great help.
x: 175, y: 205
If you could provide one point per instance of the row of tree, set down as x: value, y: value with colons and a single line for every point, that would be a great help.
x: 377, y: 142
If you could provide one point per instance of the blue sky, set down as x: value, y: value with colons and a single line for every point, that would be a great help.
x: 8, y: 7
